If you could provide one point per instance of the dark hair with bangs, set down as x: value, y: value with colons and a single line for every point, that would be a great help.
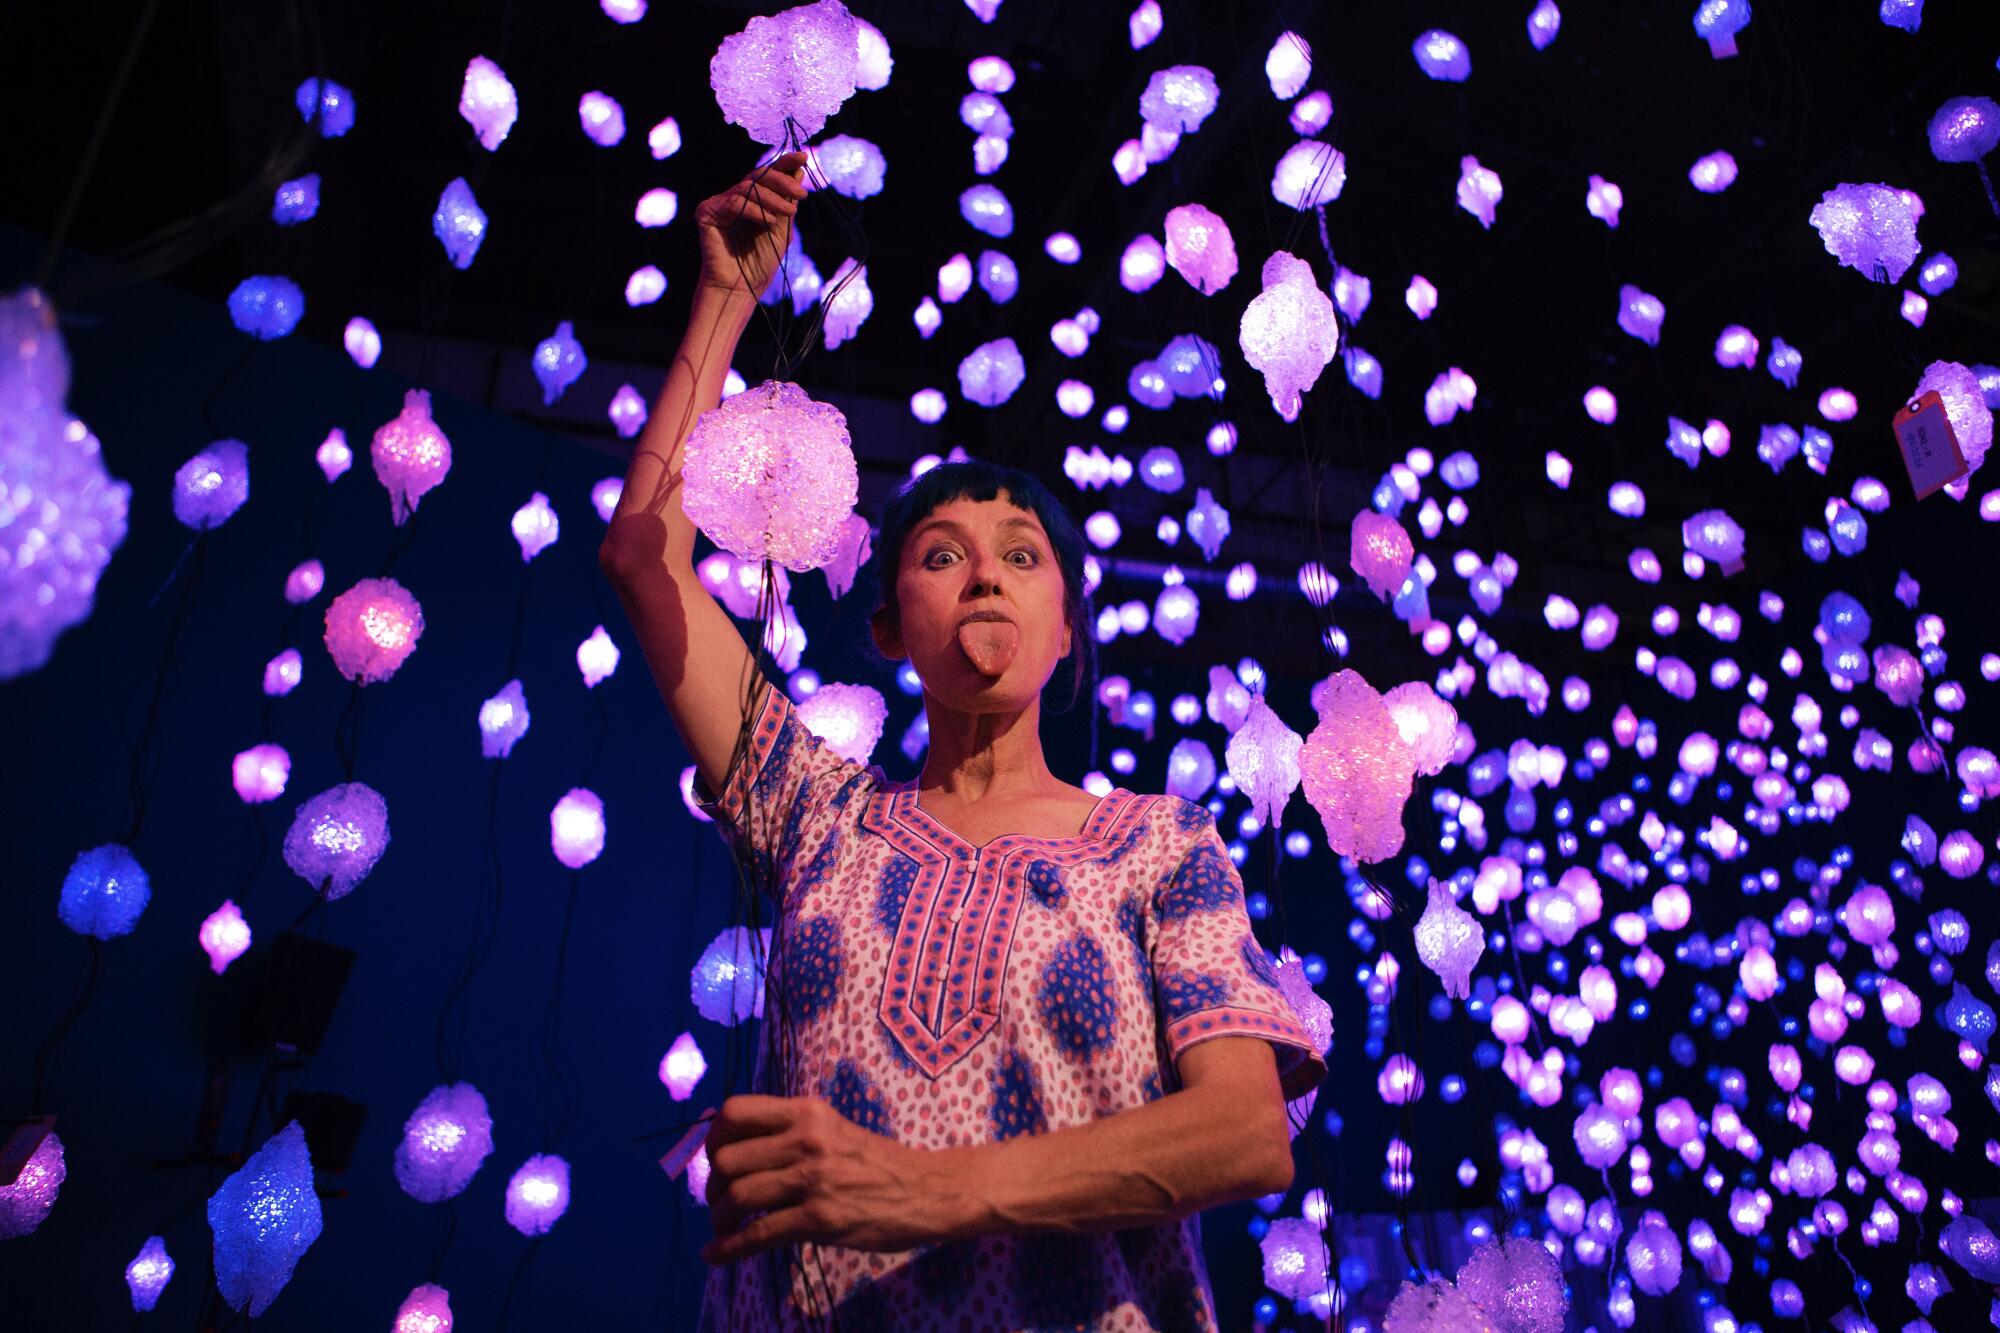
x: 975, y: 479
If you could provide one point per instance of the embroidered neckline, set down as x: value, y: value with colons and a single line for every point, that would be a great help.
x: 905, y: 809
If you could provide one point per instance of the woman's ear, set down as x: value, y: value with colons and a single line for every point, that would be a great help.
x: 888, y: 640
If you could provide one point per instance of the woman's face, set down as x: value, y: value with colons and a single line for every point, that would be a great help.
x: 980, y: 596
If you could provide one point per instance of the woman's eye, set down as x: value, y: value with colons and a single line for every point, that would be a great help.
x: 932, y: 559
x: 1032, y: 558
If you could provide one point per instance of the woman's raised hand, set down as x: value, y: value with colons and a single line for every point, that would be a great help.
x: 745, y: 229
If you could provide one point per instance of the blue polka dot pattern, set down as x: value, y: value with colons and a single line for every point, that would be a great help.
x: 821, y: 865
x: 1017, y: 1098
x: 1131, y: 842
x: 1076, y: 998
x: 812, y: 962
x: 1188, y: 992
x: 897, y: 1054
x: 1132, y: 925
x: 1045, y: 882
x: 1205, y: 881
x: 1188, y: 816
x: 892, y: 890
x: 1259, y: 963
x: 857, y: 1097
x: 1149, y: 1087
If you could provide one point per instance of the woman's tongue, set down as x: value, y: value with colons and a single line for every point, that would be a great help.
x: 989, y: 645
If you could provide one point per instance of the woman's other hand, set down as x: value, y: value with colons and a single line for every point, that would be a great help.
x: 813, y: 1175
x: 745, y: 229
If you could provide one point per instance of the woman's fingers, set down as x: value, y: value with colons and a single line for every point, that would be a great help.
x: 756, y: 1193
x: 755, y: 201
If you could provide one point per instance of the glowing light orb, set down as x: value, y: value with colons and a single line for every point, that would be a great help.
x: 783, y: 75
x: 1263, y: 760
x: 1868, y: 228
x: 1713, y: 173
x: 459, y: 223
x: 1448, y: 940
x: 259, y: 773
x: 296, y: 201
x: 371, y: 630
x: 991, y: 372
x: 1200, y: 248
x: 1288, y: 331
x: 336, y: 838
x: 1964, y: 406
x: 849, y: 718
x: 224, y: 936
x: 1964, y: 129
x: 264, y: 1218
x: 1357, y: 770
x: 488, y: 103
x: 104, y: 892
x: 1518, y: 1283
x: 326, y: 104
x: 1442, y: 56
x: 1641, y: 314
x: 1295, y: 1258
x: 148, y: 1273
x: 682, y: 1067
x: 427, y: 1309
x: 411, y: 455
x: 771, y: 474
x: 727, y: 981
x: 1479, y: 190
x: 538, y: 1193
x: 445, y: 1141
x: 1717, y: 22
x: 212, y: 485
x: 986, y: 209
x: 1310, y: 173
x: 1603, y: 200
x: 558, y: 362
x: 1178, y: 98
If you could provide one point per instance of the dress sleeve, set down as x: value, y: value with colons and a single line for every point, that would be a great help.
x: 1211, y: 977
x: 776, y: 788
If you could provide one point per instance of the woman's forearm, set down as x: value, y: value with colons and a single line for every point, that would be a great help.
x: 694, y: 385
x: 1153, y: 1163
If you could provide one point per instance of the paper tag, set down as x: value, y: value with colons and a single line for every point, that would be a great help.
x: 684, y: 1149
x: 1930, y: 449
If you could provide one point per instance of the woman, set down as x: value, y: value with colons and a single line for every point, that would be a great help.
x: 1034, y: 1034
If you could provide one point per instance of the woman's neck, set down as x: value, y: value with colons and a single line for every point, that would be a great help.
x: 976, y: 756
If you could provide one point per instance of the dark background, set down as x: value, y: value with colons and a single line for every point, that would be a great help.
x: 179, y: 191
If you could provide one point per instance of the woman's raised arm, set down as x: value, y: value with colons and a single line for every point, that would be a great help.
x: 697, y: 657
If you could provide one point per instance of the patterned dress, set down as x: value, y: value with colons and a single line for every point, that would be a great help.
x: 945, y: 994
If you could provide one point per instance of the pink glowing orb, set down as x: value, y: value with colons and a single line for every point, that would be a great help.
x: 305, y: 581
x: 1358, y: 770
x: 1263, y: 760
x: 576, y: 828
x: 538, y: 1193
x: 1479, y: 190
x: 372, y: 628
x: 849, y: 718
x: 1200, y: 248
x: 771, y: 474
x: 411, y: 455
x: 535, y: 526
x: 487, y: 102
x: 25, y: 1203
x: 682, y: 1067
x: 1448, y: 940
x: 333, y: 455
x: 224, y: 936
x: 1380, y: 551
x: 363, y: 344
x: 1309, y: 174
x: 282, y: 673
x: 1603, y: 200
x: 1288, y: 331
x: 427, y: 1309
x: 783, y: 75
x: 260, y: 772
x: 503, y: 720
